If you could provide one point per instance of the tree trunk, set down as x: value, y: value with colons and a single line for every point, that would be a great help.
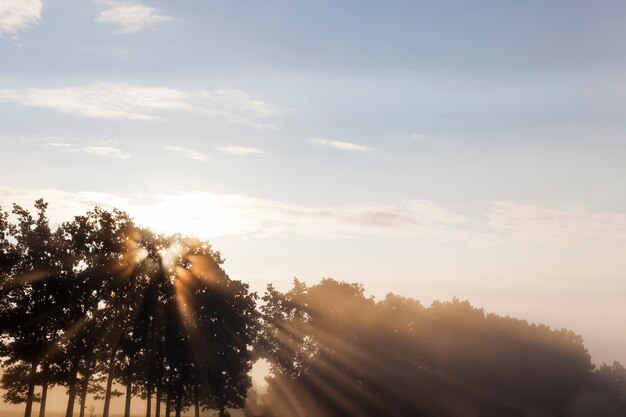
x: 196, y: 402
x: 31, y: 390
x: 150, y: 369
x: 69, y: 412
x: 44, y: 397
x: 222, y: 404
x: 157, y: 412
x: 107, y: 395
x: 178, y: 404
x: 83, y: 395
x: 129, y: 394
x: 222, y: 397
x: 168, y: 404
x: 149, y: 401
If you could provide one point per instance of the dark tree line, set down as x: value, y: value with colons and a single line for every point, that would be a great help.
x: 336, y: 352
x: 98, y: 304
x: 99, y: 300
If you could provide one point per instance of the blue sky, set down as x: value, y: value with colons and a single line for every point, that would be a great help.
x: 434, y: 149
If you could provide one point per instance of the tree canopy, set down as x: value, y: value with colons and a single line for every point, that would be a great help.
x: 335, y: 352
x: 99, y: 302
x: 100, y: 298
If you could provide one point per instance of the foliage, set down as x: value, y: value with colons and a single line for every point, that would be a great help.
x: 98, y: 300
x: 337, y: 352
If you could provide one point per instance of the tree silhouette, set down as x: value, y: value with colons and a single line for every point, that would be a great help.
x: 99, y: 300
x: 32, y: 290
x: 335, y: 351
x: 612, y: 380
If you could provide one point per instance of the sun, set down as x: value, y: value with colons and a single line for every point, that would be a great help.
x: 170, y: 254
x: 189, y: 214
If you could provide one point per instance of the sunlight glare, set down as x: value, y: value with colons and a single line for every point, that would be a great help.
x: 140, y: 254
x: 190, y: 214
x: 169, y: 255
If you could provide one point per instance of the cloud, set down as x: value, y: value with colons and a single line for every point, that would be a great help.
x: 62, y: 146
x: 189, y: 153
x: 415, y: 218
x: 103, y: 150
x: 208, y: 214
x: 555, y: 225
x: 238, y: 107
x: 131, y: 102
x: 237, y: 99
x: 239, y: 150
x: 102, y: 100
x: 107, y: 151
x: 417, y: 136
x: 18, y: 15
x: 214, y: 214
x: 344, y: 146
x: 131, y: 17
x: 63, y: 206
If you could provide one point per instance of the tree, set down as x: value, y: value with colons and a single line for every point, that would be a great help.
x: 8, y: 258
x: 612, y: 381
x: 335, y: 351
x: 218, y: 318
x: 95, y: 246
x: 31, y: 293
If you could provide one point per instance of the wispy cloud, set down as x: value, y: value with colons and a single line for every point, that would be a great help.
x: 107, y: 151
x: 213, y: 214
x: 240, y: 100
x: 103, y: 150
x: 131, y: 17
x: 102, y: 100
x: 18, y: 15
x: 417, y: 136
x: 210, y: 214
x: 239, y: 150
x: 188, y: 153
x: 132, y: 102
x: 237, y: 107
x: 555, y: 225
x: 337, y: 144
x: 62, y: 146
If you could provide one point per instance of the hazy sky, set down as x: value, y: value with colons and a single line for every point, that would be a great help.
x: 434, y: 149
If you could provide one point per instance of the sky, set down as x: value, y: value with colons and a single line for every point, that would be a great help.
x: 433, y: 149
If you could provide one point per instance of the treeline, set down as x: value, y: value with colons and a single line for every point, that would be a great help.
x: 99, y: 302
x: 336, y: 352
